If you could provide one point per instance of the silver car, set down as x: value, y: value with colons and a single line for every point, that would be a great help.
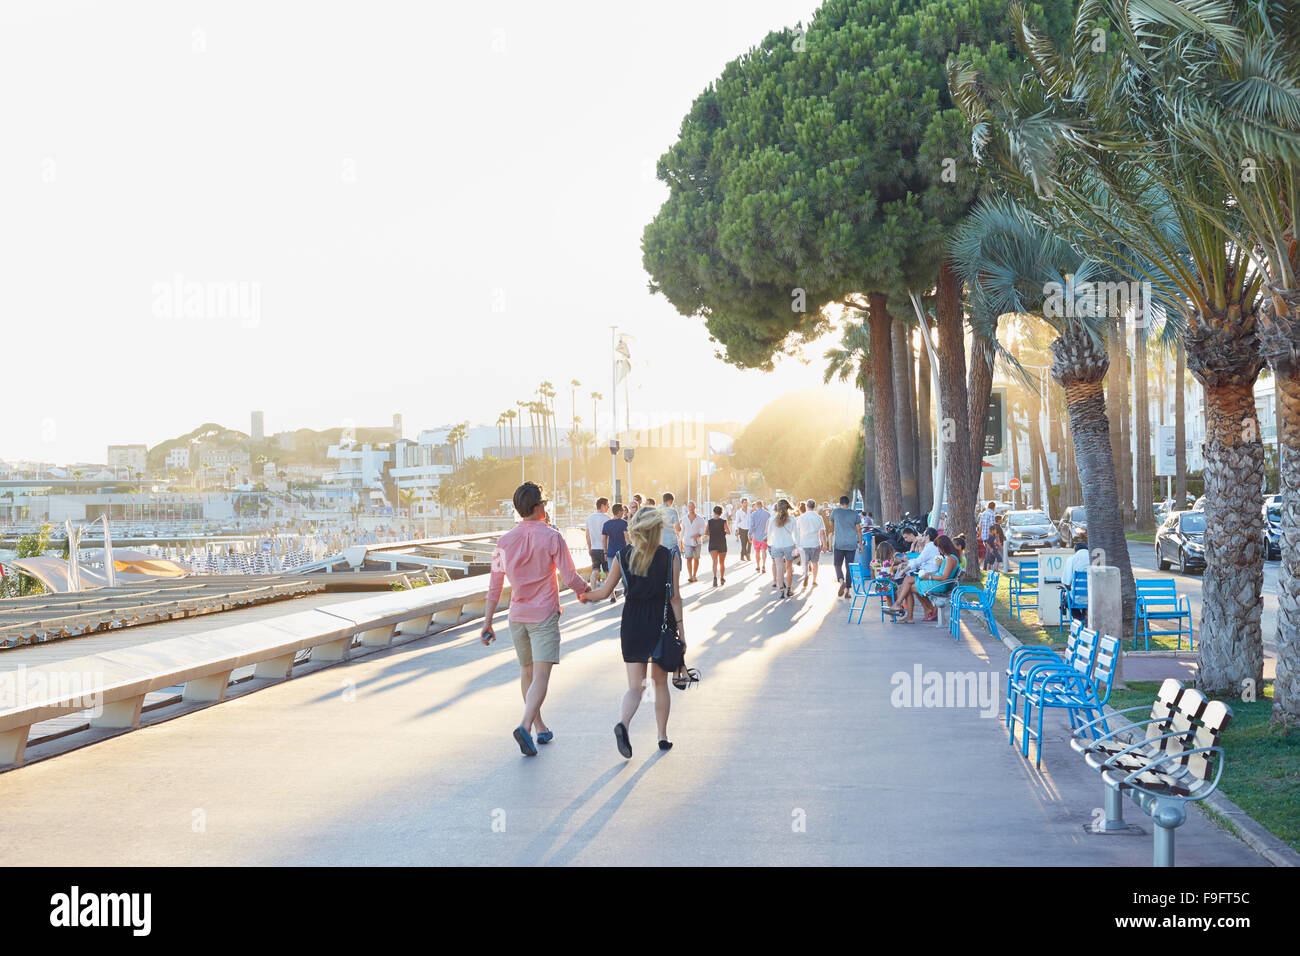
x: 1030, y: 531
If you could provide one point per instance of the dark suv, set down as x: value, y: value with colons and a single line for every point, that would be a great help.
x: 1181, y: 539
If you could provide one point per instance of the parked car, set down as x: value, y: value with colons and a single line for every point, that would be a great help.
x: 1030, y: 531
x: 1181, y: 539
x: 1073, y: 526
x: 1273, y: 527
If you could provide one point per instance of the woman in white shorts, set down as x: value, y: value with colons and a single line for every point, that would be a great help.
x: 780, y: 541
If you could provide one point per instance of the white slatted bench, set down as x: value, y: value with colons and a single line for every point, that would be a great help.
x: 114, y: 683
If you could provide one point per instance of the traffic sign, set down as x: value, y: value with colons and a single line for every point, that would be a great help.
x: 995, y: 423
x: 1014, y: 484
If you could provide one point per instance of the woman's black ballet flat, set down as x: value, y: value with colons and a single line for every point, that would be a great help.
x: 665, y: 745
x: 620, y: 736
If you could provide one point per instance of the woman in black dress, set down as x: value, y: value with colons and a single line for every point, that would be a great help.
x: 650, y: 597
x: 719, y: 527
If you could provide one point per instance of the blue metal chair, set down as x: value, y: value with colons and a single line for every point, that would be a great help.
x: 1082, y: 643
x: 1081, y: 691
x: 1076, y: 599
x: 1024, y: 587
x: 968, y: 597
x: 864, y: 589
x: 1159, y: 600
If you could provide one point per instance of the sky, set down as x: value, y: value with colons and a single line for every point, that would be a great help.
x: 334, y: 211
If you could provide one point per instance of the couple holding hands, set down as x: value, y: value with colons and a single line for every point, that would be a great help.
x: 529, y: 556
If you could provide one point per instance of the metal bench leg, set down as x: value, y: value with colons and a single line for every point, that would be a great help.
x: 1167, y: 817
x: 1114, y: 804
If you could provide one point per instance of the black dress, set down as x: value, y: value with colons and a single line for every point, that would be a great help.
x: 718, y: 535
x: 643, y: 605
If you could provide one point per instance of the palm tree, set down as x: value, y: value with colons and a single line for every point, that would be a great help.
x: 1016, y: 265
x: 510, y: 415
x: 888, y: 475
x: 1241, y: 121
x: 1089, y: 139
x: 852, y: 360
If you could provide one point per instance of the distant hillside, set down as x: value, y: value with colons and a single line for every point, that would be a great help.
x: 308, y: 446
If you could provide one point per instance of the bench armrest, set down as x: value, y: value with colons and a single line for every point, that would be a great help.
x: 1131, y: 725
x: 1214, y: 784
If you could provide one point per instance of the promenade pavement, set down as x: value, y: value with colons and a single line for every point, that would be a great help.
x: 791, y: 751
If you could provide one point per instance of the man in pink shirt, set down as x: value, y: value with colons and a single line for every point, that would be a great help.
x: 529, y: 555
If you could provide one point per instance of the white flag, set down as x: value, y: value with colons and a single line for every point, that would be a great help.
x: 708, y: 468
x: 720, y: 443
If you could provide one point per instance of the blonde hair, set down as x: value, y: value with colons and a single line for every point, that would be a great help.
x: 644, y: 534
x: 782, y: 509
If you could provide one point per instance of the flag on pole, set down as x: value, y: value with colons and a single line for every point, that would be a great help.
x: 720, y: 443
x: 708, y: 468
x: 622, y: 357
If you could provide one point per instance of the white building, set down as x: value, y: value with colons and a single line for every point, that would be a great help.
x: 128, y: 459
x: 178, y: 459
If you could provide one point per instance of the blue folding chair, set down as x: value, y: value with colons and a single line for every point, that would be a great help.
x: 968, y: 597
x: 1159, y: 600
x: 1076, y: 599
x: 1024, y: 587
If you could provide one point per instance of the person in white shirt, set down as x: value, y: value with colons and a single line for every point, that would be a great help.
x: 690, y: 535
x: 928, y: 560
x: 781, y: 545
x: 742, y: 528
x: 812, y: 541
x: 1079, y: 561
x: 672, y: 518
x: 596, y: 542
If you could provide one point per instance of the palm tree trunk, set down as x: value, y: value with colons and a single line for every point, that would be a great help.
x: 1279, y: 335
x: 924, y: 456
x: 1286, y: 683
x: 1124, y: 463
x: 953, y: 400
x: 900, y: 353
x: 1223, y: 352
x: 1180, y: 428
x: 1080, y: 366
x: 1145, y: 497
x: 1013, y: 437
x: 1114, y: 411
x: 871, y: 491
x: 882, y: 400
x: 981, y: 387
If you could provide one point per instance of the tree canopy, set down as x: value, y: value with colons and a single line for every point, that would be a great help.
x: 821, y: 165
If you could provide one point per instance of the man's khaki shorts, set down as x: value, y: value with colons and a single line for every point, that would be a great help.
x: 537, y: 640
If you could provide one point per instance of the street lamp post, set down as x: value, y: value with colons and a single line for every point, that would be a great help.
x: 613, y: 466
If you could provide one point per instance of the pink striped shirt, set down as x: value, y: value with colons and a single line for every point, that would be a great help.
x: 529, y: 554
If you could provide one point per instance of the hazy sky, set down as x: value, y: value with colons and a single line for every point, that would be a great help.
x: 423, y: 208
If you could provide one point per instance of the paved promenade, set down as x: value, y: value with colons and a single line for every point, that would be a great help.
x: 789, y: 752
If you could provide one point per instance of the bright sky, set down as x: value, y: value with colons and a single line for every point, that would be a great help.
x: 424, y: 208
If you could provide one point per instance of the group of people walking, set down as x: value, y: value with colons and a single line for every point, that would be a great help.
x: 639, y: 552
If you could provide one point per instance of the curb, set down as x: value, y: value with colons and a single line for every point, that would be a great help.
x: 1238, y: 822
